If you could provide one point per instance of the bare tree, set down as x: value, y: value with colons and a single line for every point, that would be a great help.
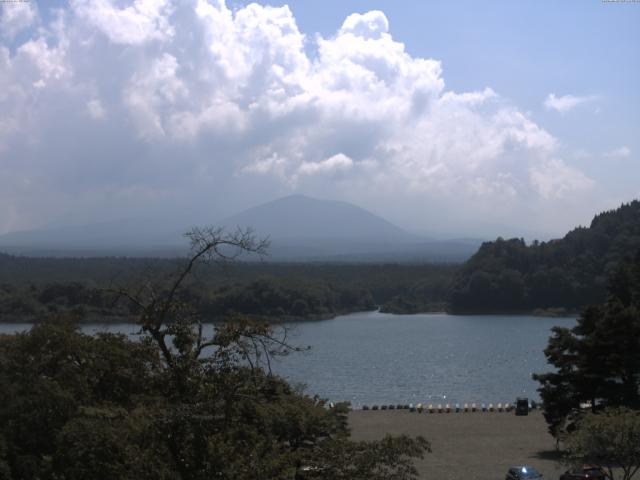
x: 175, y: 326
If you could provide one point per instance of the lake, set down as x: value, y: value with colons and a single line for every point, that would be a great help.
x: 373, y: 357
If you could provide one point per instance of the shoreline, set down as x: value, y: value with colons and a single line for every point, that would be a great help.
x: 121, y: 320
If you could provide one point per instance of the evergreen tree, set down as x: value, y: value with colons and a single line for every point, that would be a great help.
x: 598, y: 361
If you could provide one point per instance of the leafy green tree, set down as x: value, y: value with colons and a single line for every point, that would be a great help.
x: 388, y: 459
x: 609, y: 440
x: 176, y: 404
x: 568, y: 273
x: 598, y: 361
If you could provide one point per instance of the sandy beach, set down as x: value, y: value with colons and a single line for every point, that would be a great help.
x: 473, y: 446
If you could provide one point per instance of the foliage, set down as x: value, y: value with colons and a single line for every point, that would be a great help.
x: 609, y: 440
x: 175, y: 404
x: 389, y: 459
x: 510, y: 276
x: 286, y: 299
x: 426, y: 295
x: 598, y: 361
x: 35, y: 288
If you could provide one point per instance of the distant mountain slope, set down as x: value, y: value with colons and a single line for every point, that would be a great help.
x: 302, y: 217
x: 303, y: 229
x: 130, y: 236
x: 300, y: 229
x: 508, y: 275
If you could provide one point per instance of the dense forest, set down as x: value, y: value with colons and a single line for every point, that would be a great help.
x: 504, y: 276
x: 556, y: 276
x: 34, y: 288
x: 178, y: 403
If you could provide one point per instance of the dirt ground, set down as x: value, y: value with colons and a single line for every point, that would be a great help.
x: 473, y: 446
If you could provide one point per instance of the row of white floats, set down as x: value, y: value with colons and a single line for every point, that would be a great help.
x: 447, y: 408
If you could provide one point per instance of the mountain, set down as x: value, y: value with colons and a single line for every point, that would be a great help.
x: 300, y: 229
x: 121, y: 237
x: 300, y: 217
x: 566, y: 274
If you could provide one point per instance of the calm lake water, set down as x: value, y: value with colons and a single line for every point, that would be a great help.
x: 372, y: 357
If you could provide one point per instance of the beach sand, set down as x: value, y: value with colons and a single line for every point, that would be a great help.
x: 478, y: 446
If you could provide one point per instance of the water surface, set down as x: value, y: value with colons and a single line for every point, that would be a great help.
x: 373, y: 357
x: 383, y: 358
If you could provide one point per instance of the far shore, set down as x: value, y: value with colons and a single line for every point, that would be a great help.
x: 122, y: 320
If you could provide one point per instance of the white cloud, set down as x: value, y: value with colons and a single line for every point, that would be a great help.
x: 554, y: 179
x: 95, y: 109
x: 153, y: 93
x: 565, y: 103
x: 49, y: 61
x: 143, y: 21
x: 371, y: 25
x: 196, y: 100
x: 336, y: 163
x: 16, y: 17
x: 621, y: 152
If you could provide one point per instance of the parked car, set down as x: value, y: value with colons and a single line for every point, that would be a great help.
x: 580, y: 473
x: 522, y: 472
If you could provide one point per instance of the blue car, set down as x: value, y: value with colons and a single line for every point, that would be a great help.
x: 522, y: 472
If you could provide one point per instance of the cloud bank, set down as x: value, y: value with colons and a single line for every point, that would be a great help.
x: 160, y: 105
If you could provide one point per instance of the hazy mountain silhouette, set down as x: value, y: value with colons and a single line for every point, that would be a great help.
x: 300, y: 228
x: 302, y: 217
x: 304, y: 228
x: 119, y: 237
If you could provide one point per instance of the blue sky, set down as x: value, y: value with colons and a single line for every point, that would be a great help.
x: 524, y: 50
x: 460, y: 118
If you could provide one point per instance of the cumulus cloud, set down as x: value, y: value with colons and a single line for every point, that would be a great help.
x: 140, y: 22
x: 553, y: 178
x: 336, y: 163
x: 194, y: 103
x: 565, y: 103
x: 15, y: 17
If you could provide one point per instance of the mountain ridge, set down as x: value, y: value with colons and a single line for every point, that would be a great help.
x: 299, y: 216
x: 301, y: 228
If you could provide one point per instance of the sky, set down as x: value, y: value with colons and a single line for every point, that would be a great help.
x: 454, y: 118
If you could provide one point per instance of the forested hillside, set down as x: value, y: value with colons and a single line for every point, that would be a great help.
x: 32, y: 289
x: 565, y: 274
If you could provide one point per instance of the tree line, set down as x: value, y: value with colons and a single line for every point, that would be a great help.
x: 33, y: 288
x: 176, y: 404
x: 562, y: 275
